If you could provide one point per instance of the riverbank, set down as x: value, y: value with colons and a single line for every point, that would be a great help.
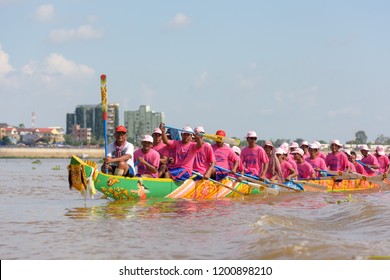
x: 51, y: 152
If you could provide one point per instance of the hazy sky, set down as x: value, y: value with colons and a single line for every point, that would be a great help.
x: 285, y: 69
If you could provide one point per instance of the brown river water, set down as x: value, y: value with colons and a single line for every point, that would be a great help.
x: 41, y: 219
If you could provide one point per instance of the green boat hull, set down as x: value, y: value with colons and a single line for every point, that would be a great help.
x: 85, y: 175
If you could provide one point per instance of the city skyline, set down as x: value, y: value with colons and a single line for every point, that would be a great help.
x: 302, y: 69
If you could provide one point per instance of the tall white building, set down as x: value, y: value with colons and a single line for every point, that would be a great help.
x: 142, y: 122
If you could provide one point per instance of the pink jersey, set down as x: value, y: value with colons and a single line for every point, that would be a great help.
x: 321, y: 155
x: 286, y: 168
x: 317, y: 163
x: 203, y: 159
x: 292, y: 161
x: 305, y: 170
x: 160, y: 148
x: 223, y: 155
x: 183, y: 154
x: 351, y: 166
x: 360, y: 169
x: 383, y: 163
x: 371, y: 160
x: 152, y: 157
x: 253, y: 160
x: 337, y: 162
x: 239, y: 168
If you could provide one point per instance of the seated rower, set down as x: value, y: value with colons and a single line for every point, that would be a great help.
x: 119, y: 160
x: 147, y: 158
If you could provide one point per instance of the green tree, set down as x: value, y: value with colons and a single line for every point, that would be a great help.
x: 6, y: 140
x: 360, y: 137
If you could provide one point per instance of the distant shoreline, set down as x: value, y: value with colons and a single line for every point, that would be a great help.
x: 51, y: 152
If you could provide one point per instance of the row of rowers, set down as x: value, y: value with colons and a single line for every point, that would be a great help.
x: 162, y: 157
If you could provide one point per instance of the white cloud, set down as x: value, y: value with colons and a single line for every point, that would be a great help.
x: 58, y: 64
x: 345, y: 112
x: 5, y: 66
x: 179, y: 20
x: 82, y: 33
x: 246, y: 83
x: 202, y: 80
x: 44, y: 13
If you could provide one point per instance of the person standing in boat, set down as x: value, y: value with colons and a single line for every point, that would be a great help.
x: 370, y: 162
x: 205, y: 159
x: 253, y: 157
x: 225, y: 159
x: 147, y: 158
x: 119, y: 160
x: 336, y: 160
x: 383, y: 160
x: 184, y: 152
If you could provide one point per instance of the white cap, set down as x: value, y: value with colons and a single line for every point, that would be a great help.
x: 298, y: 151
x: 313, y: 146
x: 187, y: 129
x: 294, y: 145
x: 147, y: 138
x: 279, y: 151
x: 304, y: 143
x: 336, y: 142
x: 364, y: 147
x: 347, y: 151
x: 157, y: 130
x: 236, y: 149
x: 199, y: 129
x: 251, y: 134
x: 380, y: 150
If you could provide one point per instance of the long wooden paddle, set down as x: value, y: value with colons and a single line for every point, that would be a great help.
x: 260, y: 186
x: 224, y: 139
x: 103, y: 91
x: 219, y: 183
x: 253, y: 180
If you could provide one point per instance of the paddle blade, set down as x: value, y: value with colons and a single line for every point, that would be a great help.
x: 224, y: 139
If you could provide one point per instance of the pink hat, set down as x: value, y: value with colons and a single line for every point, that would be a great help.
x: 293, y: 145
x: 157, y: 130
x: 251, y: 134
x: 336, y: 142
x: 236, y: 149
x: 318, y: 144
x: 279, y: 151
x: 298, y: 151
x: 199, y: 129
x: 380, y: 150
x: 147, y: 138
x: 187, y: 129
x: 364, y: 148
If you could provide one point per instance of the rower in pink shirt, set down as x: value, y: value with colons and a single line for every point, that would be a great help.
x: 370, y: 162
x: 274, y: 169
x: 254, y: 159
x: 320, y: 153
x: 305, y: 147
x: 224, y: 156
x: 162, y: 149
x: 383, y: 160
x: 305, y: 170
x: 287, y: 170
x: 204, y: 160
x: 237, y: 151
x: 314, y: 160
x: 336, y: 160
x: 184, y: 152
x: 147, y: 158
